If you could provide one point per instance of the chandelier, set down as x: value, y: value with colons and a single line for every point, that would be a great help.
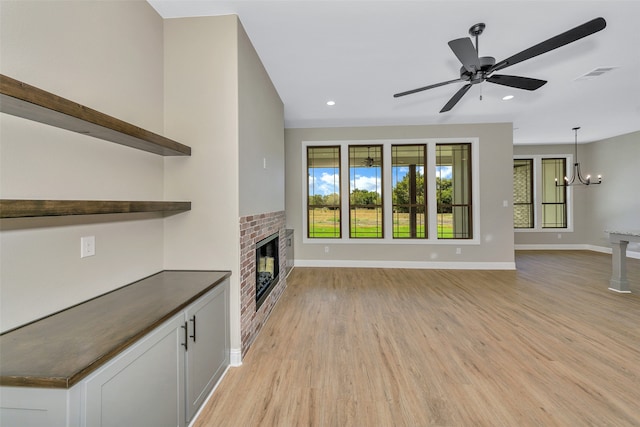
x: 577, y: 178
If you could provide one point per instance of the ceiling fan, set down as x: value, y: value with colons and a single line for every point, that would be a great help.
x: 477, y: 69
x: 369, y: 161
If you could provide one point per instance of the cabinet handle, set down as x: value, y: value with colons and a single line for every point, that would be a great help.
x: 193, y: 319
x: 186, y: 335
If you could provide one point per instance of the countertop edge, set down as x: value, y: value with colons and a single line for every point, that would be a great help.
x: 66, y: 383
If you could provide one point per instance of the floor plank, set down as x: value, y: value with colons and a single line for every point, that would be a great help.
x: 547, y: 344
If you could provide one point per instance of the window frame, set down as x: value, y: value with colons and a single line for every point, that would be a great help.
x: 470, y: 191
x: 353, y: 207
x: 537, y: 194
x: 531, y: 203
x: 410, y: 206
x: 430, y: 178
x: 308, y: 205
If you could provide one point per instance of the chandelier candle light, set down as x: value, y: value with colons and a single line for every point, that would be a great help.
x: 576, y: 170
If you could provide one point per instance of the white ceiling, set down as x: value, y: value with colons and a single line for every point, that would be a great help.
x: 359, y: 53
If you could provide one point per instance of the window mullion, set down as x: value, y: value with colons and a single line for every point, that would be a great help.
x: 387, y: 188
x: 537, y: 193
x: 345, y: 185
x: 432, y: 205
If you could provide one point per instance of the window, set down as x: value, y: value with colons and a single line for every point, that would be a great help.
x: 538, y: 203
x: 403, y: 191
x: 523, y: 193
x: 409, y: 190
x: 323, y: 198
x: 554, y: 198
x: 365, y: 191
x: 453, y: 190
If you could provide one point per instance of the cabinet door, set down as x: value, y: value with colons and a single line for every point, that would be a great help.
x: 208, y: 353
x: 144, y: 386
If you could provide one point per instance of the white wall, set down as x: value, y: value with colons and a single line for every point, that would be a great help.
x: 220, y: 101
x: 614, y: 204
x: 108, y: 56
x: 495, y: 247
x: 201, y: 105
x: 261, y: 135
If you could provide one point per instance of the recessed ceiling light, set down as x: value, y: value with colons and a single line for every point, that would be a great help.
x: 507, y: 97
x: 331, y: 103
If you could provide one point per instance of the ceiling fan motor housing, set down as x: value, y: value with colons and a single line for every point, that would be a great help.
x: 486, y: 62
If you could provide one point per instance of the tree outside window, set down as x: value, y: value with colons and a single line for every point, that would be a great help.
x: 409, y: 190
x: 453, y: 191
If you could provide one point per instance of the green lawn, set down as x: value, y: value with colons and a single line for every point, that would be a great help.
x: 325, y: 223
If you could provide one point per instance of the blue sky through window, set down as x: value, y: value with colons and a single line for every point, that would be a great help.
x: 324, y: 181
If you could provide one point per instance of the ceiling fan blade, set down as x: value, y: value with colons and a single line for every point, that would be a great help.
x: 526, y: 83
x: 455, y: 98
x: 466, y: 53
x: 560, y: 40
x: 420, y: 89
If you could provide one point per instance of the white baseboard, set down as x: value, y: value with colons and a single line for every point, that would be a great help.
x: 197, y: 414
x: 235, y: 357
x: 573, y: 247
x: 444, y: 265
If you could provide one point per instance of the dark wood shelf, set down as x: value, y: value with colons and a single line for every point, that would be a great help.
x: 18, y: 208
x: 29, y: 102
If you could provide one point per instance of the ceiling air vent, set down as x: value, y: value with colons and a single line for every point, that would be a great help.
x: 595, y: 73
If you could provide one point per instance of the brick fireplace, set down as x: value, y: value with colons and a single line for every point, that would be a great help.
x: 254, y: 229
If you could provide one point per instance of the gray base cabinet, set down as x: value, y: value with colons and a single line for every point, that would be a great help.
x: 207, y: 355
x: 161, y: 380
x: 142, y: 387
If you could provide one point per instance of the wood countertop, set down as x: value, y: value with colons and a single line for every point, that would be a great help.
x: 63, y: 348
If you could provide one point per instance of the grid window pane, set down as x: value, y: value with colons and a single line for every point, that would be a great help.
x: 523, y: 193
x: 453, y: 191
x: 323, y: 201
x: 365, y: 191
x: 408, y: 183
x: 554, y: 198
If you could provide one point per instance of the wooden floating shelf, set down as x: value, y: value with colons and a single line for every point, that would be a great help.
x: 29, y: 102
x: 18, y: 208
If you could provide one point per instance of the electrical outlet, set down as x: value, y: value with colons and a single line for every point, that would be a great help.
x: 458, y: 251
x: 326, y: 249
x: 87, y: 246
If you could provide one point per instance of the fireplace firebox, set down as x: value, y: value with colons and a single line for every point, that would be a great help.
x: 267, y: 267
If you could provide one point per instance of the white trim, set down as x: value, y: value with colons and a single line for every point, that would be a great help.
x: 235, y: 357
x: 619, y: 291
x: 392, y: 241
x: 572, y: 247
x: 537, y: 194
x: 386, y: 148
x: 552, y: 247
x: 444, y: 265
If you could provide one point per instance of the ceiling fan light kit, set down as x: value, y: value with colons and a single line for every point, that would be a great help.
x: 478, y: 69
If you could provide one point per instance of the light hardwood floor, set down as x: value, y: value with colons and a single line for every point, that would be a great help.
x: 546, y: 345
